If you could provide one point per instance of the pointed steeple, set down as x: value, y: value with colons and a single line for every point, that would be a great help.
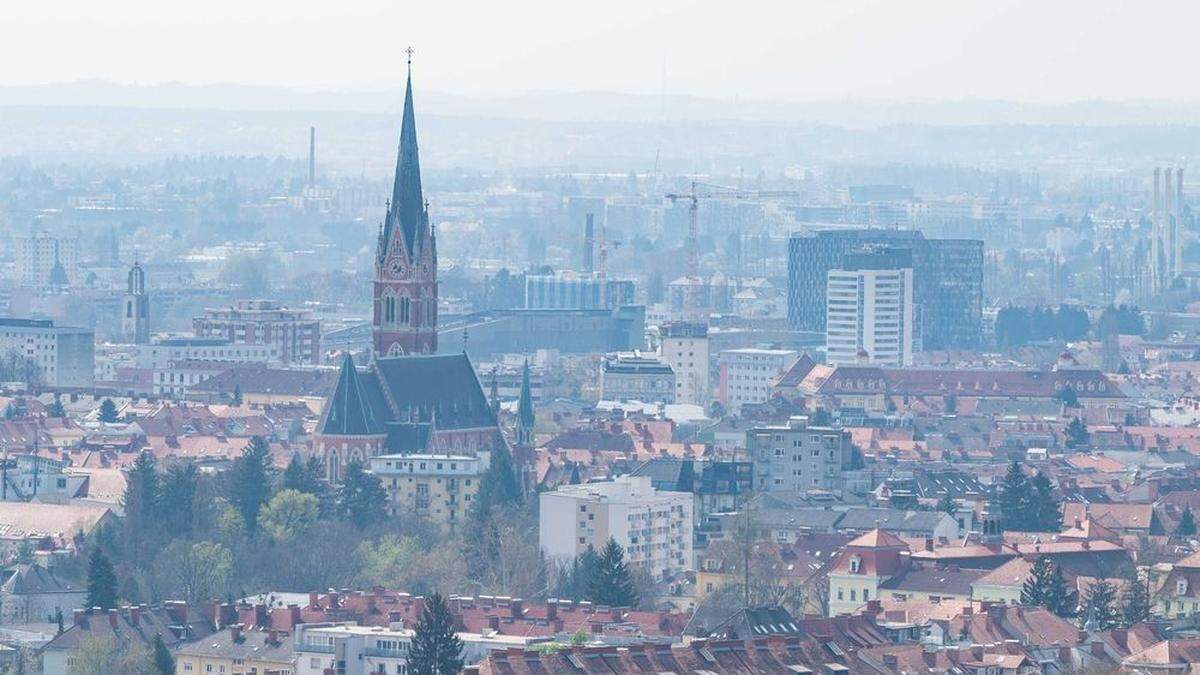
x: 349, y: 411
x: 407, y: 210
x: 525, y: 417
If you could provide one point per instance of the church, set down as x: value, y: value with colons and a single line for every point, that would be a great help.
x: 410, y: 399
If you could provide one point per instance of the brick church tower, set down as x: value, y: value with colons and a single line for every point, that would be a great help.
x: 406, y: 287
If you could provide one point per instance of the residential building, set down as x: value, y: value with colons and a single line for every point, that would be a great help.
x: 294, y: 334
x: 48, y: 261
x: 567, y: 290
x: 436, y: 487
x: 798, y: 457
x: 177, y: 364
x: 35, y: 593
x: 635, y: 376
x: 237, y: 651
x: 869, y: 310
x: 63, y: 356
x: 351, y: 649
x: 684, y: 347
x: 126, y: 628
x: 748, y: 375
x: 947, y: 281
x: 653, y: 526
x: 862, y: 566
x: 1179, y: 594
x: 718, y: 486
x: 30, y: 477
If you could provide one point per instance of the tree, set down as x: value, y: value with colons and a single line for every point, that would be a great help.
x: 105, y: 655
x: 1043, y: 510
x: 1068, y: 396
x: 361, y: 497
x: 101, y: 581
x: 237, y: 394
x: 613, y: 584
x: 436, y: 648
x: 289, y: 515
x: 1100, y: 606
x: 56, y: 409
x: 141, y: 503
x: 177, y: 498
x: 820, y: 418
x: 108, y: 411
x: 1014, y: 497
x: 1187, y: 523
x: 947, y: 505
x: 1047, y: 588
x: 304, y: 476
x: 250, y: 481
x: 163, y: 660
x: 196, y: 571
x: 1135, y: 601
x: 575, y: 581
x: 1077, y: 434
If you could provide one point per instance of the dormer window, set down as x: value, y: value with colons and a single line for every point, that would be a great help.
x: 855, y: 564
x: 1181, y: 587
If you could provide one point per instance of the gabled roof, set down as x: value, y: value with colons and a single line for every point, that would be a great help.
x: 439, y: 388
x: 878, y: 538
x: 350, y: 411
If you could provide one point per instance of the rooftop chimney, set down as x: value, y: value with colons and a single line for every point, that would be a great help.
x: 891, y: 662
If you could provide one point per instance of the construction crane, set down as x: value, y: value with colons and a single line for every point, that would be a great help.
x: 700, y: 190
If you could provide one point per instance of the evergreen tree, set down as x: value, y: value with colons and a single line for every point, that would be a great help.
x: 1014, y: 498
x: 612, y: 583
x: 1077, y: 434
x: 1046, y: 587
x: 141, y: 502
x: 361, y: 497
x: 947, y: 505
x: 303, y: 476
x: 108, y: 411
x: 237, y: 394
x: 164, y: 663
x: 56, y: 409
x: 1135, y: 602
x: 1043, y: 509
x: 499, y: 486
x: 436, y: 648
x: 177, y: 498
x: 1068, y: 397
x: 250, y: 481
x: 1187, y: 523
x: 101, y: 581
x: 1100, y: 605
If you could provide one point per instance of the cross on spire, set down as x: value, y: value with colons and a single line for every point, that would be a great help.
x: 409, y: 52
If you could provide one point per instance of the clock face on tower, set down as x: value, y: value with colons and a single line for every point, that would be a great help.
x: 397, y: 269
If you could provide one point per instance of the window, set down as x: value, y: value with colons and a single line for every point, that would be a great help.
x: 855, y: 564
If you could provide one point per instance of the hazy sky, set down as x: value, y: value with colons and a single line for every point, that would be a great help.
x: 1029, y: 50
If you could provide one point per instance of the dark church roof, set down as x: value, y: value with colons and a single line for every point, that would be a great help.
x: 441, y: 388
x: 351, y: 410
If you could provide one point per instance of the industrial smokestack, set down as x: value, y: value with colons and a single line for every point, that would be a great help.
x: 1177, y: 230
x: 589, y: 244
x: 312, y: 156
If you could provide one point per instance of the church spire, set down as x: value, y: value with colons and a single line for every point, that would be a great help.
x: 407, y: 211
x: 525, y: 417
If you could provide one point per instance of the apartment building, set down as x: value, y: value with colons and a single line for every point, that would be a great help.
x: 437, y: 487
x: 63, y: 356
x: 294, y: 334
x: 869, y: 310
x: 179, y: 363
x: 653, y: 526
x: 634, y: 376
x: 797, y: 457
x: 748, y: 375
x: 351, y: 649
x: 684, y: 347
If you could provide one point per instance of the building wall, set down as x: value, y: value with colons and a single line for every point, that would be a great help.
x: 66, y: 356
x: 848, y: 592
x: 295, y: 334
x: 438, y: 487
x: 632, y: 377
x: 686, y: 352
x: 216, y: 665
x: 795, y: 458
x: 869, y: 310
x: 748, y: 375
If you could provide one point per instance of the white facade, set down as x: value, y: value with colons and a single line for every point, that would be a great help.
x: 653, y: 526
x: 871, y: 311
x: 181, y: 362
x: 351, y: 649
x: 749, y: 375
x: 65, y: 357
x: 40, y: 252
x: 684, y: 347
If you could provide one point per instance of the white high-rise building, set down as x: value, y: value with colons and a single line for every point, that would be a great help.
x: 869, y: 310
x: 748, y: 376
x: 684, y: 347
x: 653, y: 526
x: 56, y: 356
x: 48, y: 261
